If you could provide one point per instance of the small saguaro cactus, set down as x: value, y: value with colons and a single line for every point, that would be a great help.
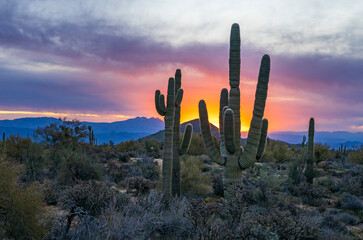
x: 231, y: 154
x: 179, y: 148
x: 303, y: 141
x: 172, y: 147
x: 90, y: 135
x: 309, y: 172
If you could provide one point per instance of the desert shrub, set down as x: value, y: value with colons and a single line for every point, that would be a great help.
x: 24, y: 151
x: 322, y: 152
x: 148, y: 168
x: 276, y: 151
x: 51, y: 192
x: 78, y: 166
x: 281, y: 153
x: 192, y: 179
x: 93, y: 197
x: 356, y: 156
x: 124, y: 157
x: 311, y: 194
x: 197, y: 148
x: 351, y: 184
x: 351, y: 202
x: 348, y: 219
x: 133, y: 147
x: 152, y: 147
x: 144, y: 218
x: 22, y: 212
x: 328, y: 183
x: 267, y: 185
x: 117, y: 171
x: 295, y: 171
x: 139, y: 184
x: 331, y: 223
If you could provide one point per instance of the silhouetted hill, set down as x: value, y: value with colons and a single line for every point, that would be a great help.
x: 140, y: 127
x: 159, y: 136
x: 104, y: 132
x: 333, y: 139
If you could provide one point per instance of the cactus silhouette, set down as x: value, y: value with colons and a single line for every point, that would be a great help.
x: 231, y: 155
x: 303, y: 141
x: 172, y: 148
x: 179, y: 149
x: 91, y: 136
x: 309, y: 172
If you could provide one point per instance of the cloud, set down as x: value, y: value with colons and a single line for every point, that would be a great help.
x: 109, y: 58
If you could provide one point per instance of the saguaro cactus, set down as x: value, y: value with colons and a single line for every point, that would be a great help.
x: 303, y: 141
x: 309, y: 172
x: 231, y: 154
x: 179, y: 149
x: 168, y: 112
x: 91, y: 136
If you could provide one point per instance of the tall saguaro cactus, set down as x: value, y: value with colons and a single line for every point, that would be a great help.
x: 172, y: 147
x: 179, y: 149
x: 231, y: 155
x: 309, y: 172
x: 168, y: 112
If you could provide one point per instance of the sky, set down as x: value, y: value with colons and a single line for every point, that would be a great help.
x: 103, y: 60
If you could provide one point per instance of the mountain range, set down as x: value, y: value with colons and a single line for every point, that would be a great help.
x: 141, y: 127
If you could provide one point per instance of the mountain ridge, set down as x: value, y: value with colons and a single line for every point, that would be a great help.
x: 142, y: 127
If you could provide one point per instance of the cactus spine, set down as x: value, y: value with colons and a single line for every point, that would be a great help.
x: 309, y: 172
x: 231, y: 155
x: 172, y: 147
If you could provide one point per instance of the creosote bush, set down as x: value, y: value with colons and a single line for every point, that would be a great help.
x: 193, y: 180
x: 322, y: 152
x: 22, y: 212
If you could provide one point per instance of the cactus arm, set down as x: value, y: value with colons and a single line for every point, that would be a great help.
x: 179, y: 97
x: 228, y: 129
x: 168, y: 142
x: 160, y: 108
x: 223, y: 104
x: 234, y: 79
x: 248, y: 157
x: 303, y: 142
x: 263, y: 138
x: 207, y: 135
x: 188, y: 132
x: 162, y: 103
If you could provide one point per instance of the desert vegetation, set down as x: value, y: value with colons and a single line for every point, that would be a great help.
x: 74, y: 190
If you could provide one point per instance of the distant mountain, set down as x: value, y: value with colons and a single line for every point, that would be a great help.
x: 159, y: 136
x: 104, y: 132
x: 141, y: 127
x: 333, y: 139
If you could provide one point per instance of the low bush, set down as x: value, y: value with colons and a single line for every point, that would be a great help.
x: 322, y: 152
x: 193, y: 181
x: 93, y: 197
x: 77, y: 166
x: 351, y: 202
x: 22, y: 211
x: 356, y: 156
x: 139, y: 184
